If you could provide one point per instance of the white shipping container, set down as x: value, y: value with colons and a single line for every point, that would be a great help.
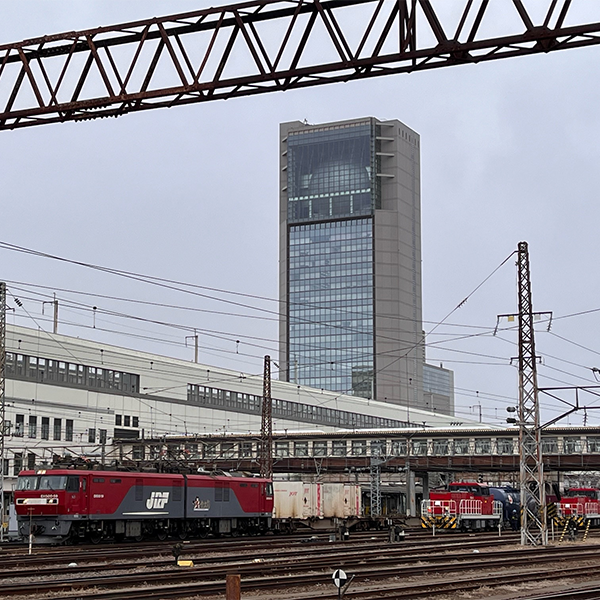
x: 297, y: 500
x: 288, y: 500
x: 333, y: 500
x: 352, y: 501
x: 312, y: 500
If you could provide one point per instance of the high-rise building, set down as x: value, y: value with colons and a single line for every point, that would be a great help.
x: 350, y: 259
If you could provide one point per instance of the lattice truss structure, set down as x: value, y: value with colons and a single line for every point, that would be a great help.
x: 533, y: 499
x: 267, y: 45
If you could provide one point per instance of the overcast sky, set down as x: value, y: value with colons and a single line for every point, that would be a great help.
x: 510, y: 153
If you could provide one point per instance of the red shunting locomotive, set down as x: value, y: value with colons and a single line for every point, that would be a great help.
x: 462, y: 505
x: 579, y: 503
x: 68, y: 505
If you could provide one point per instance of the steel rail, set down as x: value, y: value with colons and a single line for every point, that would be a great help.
x: 302, y: 573
x: 282, y: 44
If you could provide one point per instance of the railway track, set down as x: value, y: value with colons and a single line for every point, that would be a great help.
x: 280, y: 571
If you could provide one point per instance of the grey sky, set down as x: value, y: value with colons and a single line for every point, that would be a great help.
x: 509, y: 153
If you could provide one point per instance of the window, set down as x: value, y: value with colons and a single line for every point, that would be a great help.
x: 440, y: 447
x: 593, y: 444
x: 30, y: 461
x: 32, y: 426
x: 320, y: 448
x: 228, y: 450
x: 419, y: 448
x: 98, y: 480
x: 282, y: 449
x: 359, y: 447
x: 505, y: 446
x: 69, y: 430
x: 378, y: 448
x: 20, y: 425
x: 339, y: 448
x: 572, y: 445
x: 72, y: 483
x: 91, y: 435
x: 135, y: 421
x: 461, y: 446
x: 103, y: 433
x: 57, y: 428
x: 399, y: 447
x: 118, y: 420
x: 301, y: 448
x: 45, y: 428
x: 138, y: 452
x: 550, y: 445
x: 483, y: 446
x: 210, y: 450
x: 18, y: 463
x: 127, y: 421
x: 245, y: 449
x: 5, y: 466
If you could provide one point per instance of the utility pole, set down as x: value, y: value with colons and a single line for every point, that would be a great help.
x: 55, y: 320
x: 55, y: 314
x: 195, y: 338
x: 2, y: 402
x: 266, y: 426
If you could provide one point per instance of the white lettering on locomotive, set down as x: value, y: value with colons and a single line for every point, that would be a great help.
x: 157, y: 500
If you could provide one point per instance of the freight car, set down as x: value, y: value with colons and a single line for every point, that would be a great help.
x: 468, y: 506
x: 320, y: 506
x: 68, y: 506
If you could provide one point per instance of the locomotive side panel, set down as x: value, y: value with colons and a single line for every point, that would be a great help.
x: 135, y: 496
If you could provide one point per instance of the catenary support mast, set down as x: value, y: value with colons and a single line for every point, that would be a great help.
x: 266, y: 426
x: 2, y: 402
x: 533, y: 497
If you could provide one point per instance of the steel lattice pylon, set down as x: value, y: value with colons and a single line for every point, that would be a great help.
x: 2, y: 402
x: 533, y: 497
x: 266, y: 427
x: 259, y: 46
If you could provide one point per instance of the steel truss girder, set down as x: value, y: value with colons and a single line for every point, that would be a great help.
x: 533, y: 496
x: 262, y: 46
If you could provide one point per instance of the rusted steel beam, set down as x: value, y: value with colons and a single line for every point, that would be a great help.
x: 257, y: 47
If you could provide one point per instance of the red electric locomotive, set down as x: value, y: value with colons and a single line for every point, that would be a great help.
x: 462, y: 505
x: 67, y: 505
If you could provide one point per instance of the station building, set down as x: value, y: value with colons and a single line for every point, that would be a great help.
x: 66, y: 396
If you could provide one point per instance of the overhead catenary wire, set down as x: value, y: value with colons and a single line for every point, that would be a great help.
x: 431, y: 345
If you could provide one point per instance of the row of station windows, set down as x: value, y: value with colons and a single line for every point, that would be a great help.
x: 393, y: 447
x: 45, y: 370
x: 284, y: 409
x: 57, y: 429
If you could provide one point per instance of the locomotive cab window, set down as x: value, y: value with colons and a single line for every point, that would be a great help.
x: 27, y: 483
x: 52, y: 482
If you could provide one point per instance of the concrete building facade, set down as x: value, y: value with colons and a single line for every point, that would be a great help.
x: 69, y: 396
x: 350, y: 259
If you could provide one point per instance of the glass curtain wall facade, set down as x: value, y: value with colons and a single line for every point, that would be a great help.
x: 332, y: 193
x: 350, y: 259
